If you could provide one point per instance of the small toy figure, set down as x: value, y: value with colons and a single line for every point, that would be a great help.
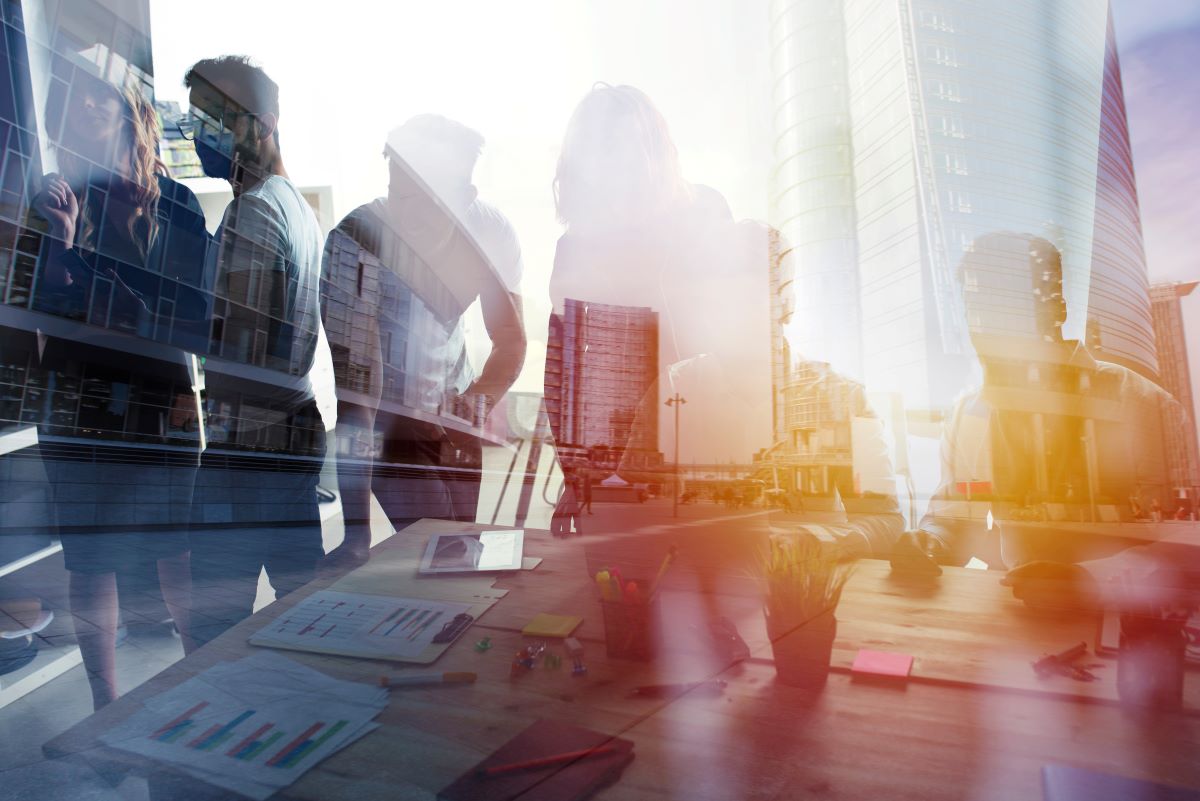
x: 526, y: 658
x: 575, y: 649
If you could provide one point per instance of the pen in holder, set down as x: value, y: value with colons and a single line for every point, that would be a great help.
x: 630, y: 618
x: 1150, y: 661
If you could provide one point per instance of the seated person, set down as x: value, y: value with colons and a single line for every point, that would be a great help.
x: 1050, y: 425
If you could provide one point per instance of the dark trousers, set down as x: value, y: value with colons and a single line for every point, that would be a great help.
x: 253, y: 510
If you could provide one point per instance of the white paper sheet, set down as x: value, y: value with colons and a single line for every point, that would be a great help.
x: 357, y: 624
x: 252, y: 726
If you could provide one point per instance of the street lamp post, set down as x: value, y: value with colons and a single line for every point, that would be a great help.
x: 676, y: 401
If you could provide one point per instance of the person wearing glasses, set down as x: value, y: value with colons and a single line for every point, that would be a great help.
x: 255, y: 503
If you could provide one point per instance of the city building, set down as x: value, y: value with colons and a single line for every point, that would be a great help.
x: 905, y: 130
x: 178, y: 154
x: 1174, y: 374
x: 602, y: 383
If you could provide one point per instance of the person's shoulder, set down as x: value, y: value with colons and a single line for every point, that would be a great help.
x: 710, y: 204
x: 364, y: 225
x: 1134, y: 385
x: 497, y: 237
x: 177, y: 202
x: 175, y: 192
x: 488, y: 217
x: 275, y: 195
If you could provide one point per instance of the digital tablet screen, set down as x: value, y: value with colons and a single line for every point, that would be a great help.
x: 474, y: 552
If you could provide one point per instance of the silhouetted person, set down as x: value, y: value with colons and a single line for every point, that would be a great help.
x: 400, y: 274
x: 1051, y: 428
x: 659, y: 293
x: 639, y: 238
x: 587, y: 490
x: 255, y: 504
x: 122, y: 242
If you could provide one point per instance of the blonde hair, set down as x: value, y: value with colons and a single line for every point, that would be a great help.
x: 651, y: 178
x: 142, y: 135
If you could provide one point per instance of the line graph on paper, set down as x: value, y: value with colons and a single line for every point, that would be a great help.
x: 359, y: 624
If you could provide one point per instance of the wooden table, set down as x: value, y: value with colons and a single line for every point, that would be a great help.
x: 974, y: 722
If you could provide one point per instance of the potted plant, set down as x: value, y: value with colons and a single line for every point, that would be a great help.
x: 802, y: 582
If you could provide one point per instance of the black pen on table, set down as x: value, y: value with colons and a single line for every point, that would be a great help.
x: 715, y: 686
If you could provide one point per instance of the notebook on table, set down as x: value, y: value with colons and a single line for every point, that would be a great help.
x: 570, y: 781
x: 1066, y: 783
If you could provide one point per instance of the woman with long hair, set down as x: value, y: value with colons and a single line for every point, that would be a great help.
x: 123, y: 251
x: 639, y: 236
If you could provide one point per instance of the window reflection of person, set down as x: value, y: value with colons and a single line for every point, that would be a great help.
x: 1050, y: 425
x: 119, y: 231
x: 430, y: 249
x: 256, y: 503
x: 639, y: 235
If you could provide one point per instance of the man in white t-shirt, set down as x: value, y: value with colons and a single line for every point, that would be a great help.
x: 404, y: 277
x: 255, y: 502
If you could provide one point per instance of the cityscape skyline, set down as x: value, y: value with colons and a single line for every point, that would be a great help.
x: 900, y: 143
x: 729, y: 152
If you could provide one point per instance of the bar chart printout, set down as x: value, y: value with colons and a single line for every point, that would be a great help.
x: 253, y: 726
x: 359, y: 625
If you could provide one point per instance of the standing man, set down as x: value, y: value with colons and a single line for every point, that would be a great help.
x: 401, y: 275
x: 255, y: 503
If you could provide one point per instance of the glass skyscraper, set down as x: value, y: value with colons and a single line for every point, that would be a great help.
x: 602, y: 380
x: 905, y: 130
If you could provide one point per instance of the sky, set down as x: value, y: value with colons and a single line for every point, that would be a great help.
x: 515, y: 71
x: 512, y: 71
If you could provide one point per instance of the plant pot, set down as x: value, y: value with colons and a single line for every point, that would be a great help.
x: 803, y: 651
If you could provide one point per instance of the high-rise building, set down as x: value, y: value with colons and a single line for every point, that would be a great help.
x: 602, y: 381
x: 1174, y: 374
x: 906, y: 129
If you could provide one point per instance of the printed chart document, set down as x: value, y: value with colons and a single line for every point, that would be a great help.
x: 355, y: 624
x: 253, y: 726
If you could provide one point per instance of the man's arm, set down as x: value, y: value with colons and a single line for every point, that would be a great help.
x: 938, y: 538
x: 502, y: 319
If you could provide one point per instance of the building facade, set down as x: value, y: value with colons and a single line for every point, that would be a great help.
x: 1175, y: 375
x: 905, y: 130
x: 602, y: 381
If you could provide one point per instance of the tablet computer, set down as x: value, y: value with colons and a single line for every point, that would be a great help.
x: 471, y: 552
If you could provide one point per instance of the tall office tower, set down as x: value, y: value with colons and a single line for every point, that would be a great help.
x: 1174, y: 374
x: 1118, y: 300
x: 906, y: 129
x: 602, y: 380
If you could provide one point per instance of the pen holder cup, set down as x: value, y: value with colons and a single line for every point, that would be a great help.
x: 631, y: 629
x: 1150, y: 663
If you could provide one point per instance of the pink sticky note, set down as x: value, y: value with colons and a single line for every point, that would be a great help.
x: 881, y: 664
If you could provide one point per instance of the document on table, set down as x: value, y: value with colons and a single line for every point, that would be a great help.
x: 253, y: 726
x: 356, y: 624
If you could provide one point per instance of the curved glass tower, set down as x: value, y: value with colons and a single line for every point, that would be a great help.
x: 909, y: 128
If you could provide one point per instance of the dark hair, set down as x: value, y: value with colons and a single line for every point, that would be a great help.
x: 1008, y: 250
x: 238, y: 78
